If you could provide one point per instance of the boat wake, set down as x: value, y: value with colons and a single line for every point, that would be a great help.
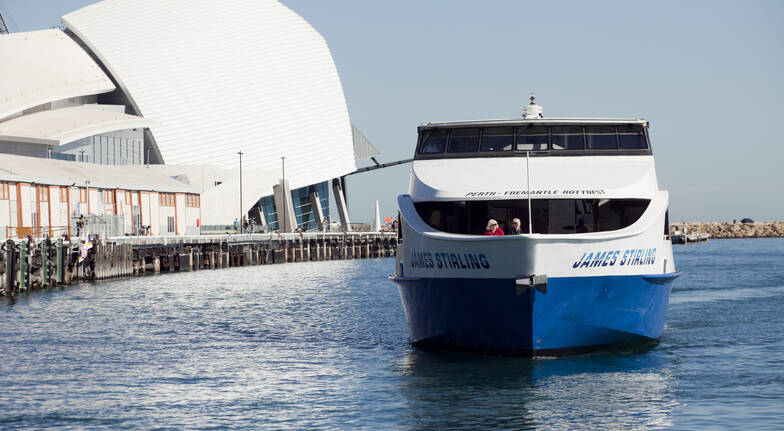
x: 726, y: 294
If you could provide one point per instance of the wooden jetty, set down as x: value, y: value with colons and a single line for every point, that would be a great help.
x: 29, y: 264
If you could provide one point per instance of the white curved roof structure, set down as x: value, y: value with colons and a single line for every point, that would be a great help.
x: 46, y: 66
x: 61, y: 126
x: 218, y: 78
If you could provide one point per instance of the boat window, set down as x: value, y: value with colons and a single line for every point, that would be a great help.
x: 549, y: 216
x: 443, y: 216
x: 434, y: 141
x: 631, y: 137
x: 497, y: 139
x: 567, y: 138
x: 464, y: 140
x: 601, y: 138
x: 532, y: 138
x: 614, y: 214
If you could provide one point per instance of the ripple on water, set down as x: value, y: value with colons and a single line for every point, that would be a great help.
x: 324, y: 345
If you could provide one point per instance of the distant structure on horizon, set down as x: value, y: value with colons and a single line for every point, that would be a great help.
x: 181, y: 98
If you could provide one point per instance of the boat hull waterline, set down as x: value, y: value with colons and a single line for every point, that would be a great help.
x: 573, y: 313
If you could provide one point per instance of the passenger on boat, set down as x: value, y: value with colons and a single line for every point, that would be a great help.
x: 515, y: 229
x: 493, y: 229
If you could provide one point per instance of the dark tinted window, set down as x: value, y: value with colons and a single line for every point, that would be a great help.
x: 632, y: 137
x: 567, y: 138
x: 551, y: 216
x: 433, y: 141
x: 614, y: 214
x: 532, y: 138
x: 443, y: 216
x: 600, y: 138
x: 464, y: 140
x: 497, y: 139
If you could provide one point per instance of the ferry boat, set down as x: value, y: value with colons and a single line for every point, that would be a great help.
x: 593, y: 262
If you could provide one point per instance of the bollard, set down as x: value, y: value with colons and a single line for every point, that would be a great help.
x: 59, y: 270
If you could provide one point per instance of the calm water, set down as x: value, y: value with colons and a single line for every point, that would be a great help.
x: 324, y: 345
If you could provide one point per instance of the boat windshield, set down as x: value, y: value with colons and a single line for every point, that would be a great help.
x: 548, y: 216
x: 623, y: 139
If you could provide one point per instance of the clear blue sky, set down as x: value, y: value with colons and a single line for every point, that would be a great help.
x: 706, y: 74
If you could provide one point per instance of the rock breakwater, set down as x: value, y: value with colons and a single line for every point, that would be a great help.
x: 766, y: 229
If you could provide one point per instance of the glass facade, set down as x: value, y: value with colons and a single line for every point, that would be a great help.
x: 120, y: 148
x: 303, y: 211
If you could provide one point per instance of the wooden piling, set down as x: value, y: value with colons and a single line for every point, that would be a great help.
x: 32, y: 264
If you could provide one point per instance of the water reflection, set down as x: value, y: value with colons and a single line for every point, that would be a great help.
x: 448, y: 390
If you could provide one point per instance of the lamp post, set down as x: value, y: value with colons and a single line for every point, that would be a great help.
x: 283, y: 192
x: 239, y: 227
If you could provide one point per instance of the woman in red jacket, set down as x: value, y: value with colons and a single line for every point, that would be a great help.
x: 493, y: 229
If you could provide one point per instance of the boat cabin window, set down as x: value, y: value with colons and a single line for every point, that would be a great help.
x: 601, y: 138
x: 498, y: 139
x: 538, y: 139
x: 567, y: 138
x: 631, y: 138
x: 532, y: 138
x: 548, y: 216
x: 434, y: 141
x: 464, y: 140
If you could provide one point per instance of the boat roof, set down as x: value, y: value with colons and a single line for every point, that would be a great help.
x: 542, y: 121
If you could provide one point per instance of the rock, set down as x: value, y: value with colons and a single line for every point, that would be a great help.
x: 732, y: 229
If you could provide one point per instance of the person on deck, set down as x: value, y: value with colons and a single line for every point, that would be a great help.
x: 515, y: 230
x: 492, y: 228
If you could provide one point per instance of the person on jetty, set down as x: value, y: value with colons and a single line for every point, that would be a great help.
x: 79, y: 225
x: 492, y: 228
x: 515, y: 230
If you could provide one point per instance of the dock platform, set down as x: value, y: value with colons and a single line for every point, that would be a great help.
x: 29, y: 264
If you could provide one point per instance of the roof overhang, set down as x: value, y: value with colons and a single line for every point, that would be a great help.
x: 41, y: 170
x: 61, y: 126
x: 45, y: 66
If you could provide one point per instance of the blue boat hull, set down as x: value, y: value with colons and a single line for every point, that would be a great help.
x: 571, y: 314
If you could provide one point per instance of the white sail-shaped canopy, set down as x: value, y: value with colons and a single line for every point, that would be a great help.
x: 61, y: 126
x: 39, y: 67
x: 245, y: 75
